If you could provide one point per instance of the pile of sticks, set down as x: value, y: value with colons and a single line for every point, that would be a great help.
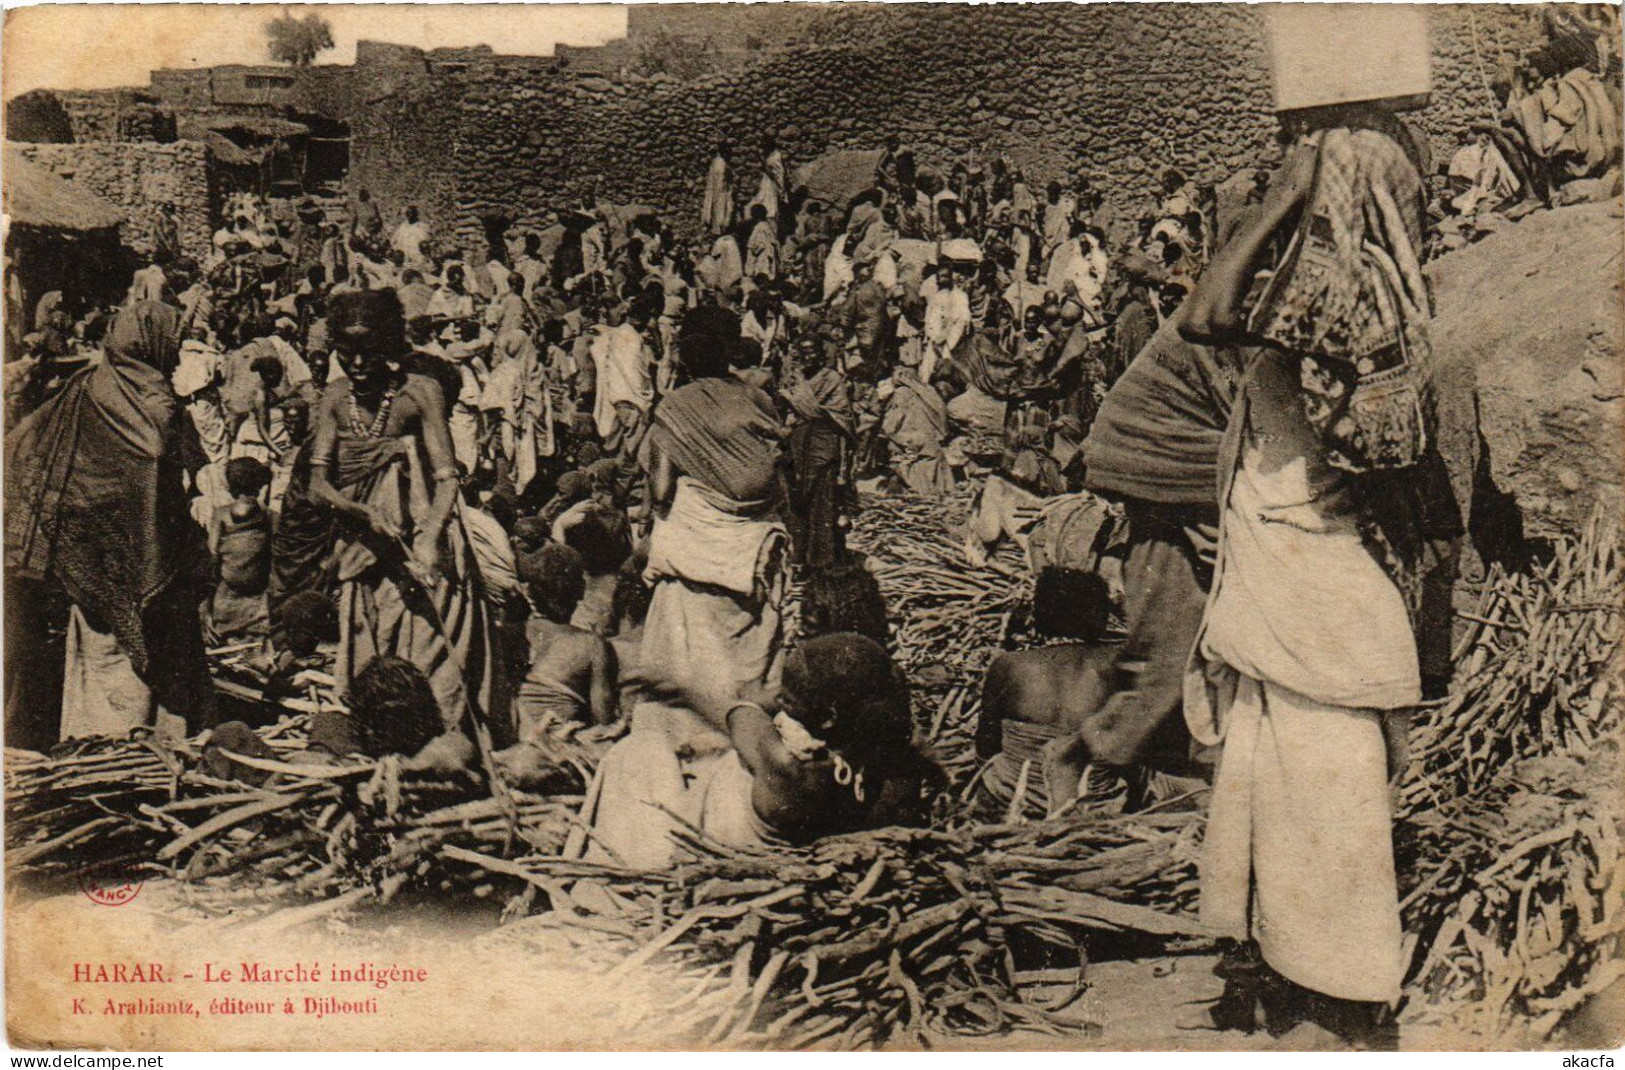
x: 282, y: 827
x: 952, y: 617
x: 1511, y: 816
x: 865, y: 938
x: 1534, y: 669
x: 1518, y: 898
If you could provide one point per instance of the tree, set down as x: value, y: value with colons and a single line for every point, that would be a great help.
x: 297, y: 41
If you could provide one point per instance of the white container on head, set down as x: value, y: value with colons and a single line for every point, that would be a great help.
x: 1326, y: 54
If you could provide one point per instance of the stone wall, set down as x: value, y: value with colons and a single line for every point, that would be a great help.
x: 212, y: 92
x: 402, y: 129
x: 135, y: 177
x: 184, y: 88
x: 1116, y: 91
x: 57, y: 115
x: 118, y: 115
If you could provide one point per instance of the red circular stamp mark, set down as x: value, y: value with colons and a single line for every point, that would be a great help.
x: 110, y: 889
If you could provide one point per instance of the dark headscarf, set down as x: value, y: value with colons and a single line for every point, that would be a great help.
x: 709, y: 341
x: 94, y: 500
x: 148, y: 332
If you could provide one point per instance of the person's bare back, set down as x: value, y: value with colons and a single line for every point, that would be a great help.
x: 572, y: 677
x: 1052, y: 688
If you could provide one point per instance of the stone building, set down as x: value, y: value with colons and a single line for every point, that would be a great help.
x: 480, y: 140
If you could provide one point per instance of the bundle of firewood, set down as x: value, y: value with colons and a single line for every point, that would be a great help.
x: 1533, y: 671
x: 951, y: 617
x: 1517, y: 897
x: 1512, y: 819
x: 288, y: 826
x: 859, y: 939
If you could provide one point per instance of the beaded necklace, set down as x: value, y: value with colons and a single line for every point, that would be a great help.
x: 359, y: 427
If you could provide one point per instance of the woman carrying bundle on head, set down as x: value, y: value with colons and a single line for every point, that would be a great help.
x: 1336, y: 518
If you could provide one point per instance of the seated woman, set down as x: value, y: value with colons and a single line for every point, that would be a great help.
x: 915, y: 423
x: 1032, y: 696
x: 831, y: 753
x: 571, y: 676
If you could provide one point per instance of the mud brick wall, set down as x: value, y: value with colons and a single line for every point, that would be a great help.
x: 117, y: 115
x: 1121, y: 93
x: 135, y: 176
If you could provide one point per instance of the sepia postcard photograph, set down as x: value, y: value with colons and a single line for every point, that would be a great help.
x: 793, y: 527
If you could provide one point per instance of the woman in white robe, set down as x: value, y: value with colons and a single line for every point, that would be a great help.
x: 1333, y: 507
x: 1312, y: 647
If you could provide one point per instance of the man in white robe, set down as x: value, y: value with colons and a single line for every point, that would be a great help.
x: 717, y: 208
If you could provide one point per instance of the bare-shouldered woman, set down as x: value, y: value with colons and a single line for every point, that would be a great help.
x: 381, y: 463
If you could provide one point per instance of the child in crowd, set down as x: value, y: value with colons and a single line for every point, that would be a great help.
x: 528, y: 535
x: 240, y: 543
x: 303, y: 624
x: 1032, y: 696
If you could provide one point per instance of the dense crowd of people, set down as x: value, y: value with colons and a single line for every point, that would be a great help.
x: 567, y: 489
x: 554, y: 480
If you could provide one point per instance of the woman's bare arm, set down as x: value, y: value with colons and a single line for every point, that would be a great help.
x: 662, y: 475
x: 759, y: 745
x: 1213, y: 313
x: 784, y: 784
